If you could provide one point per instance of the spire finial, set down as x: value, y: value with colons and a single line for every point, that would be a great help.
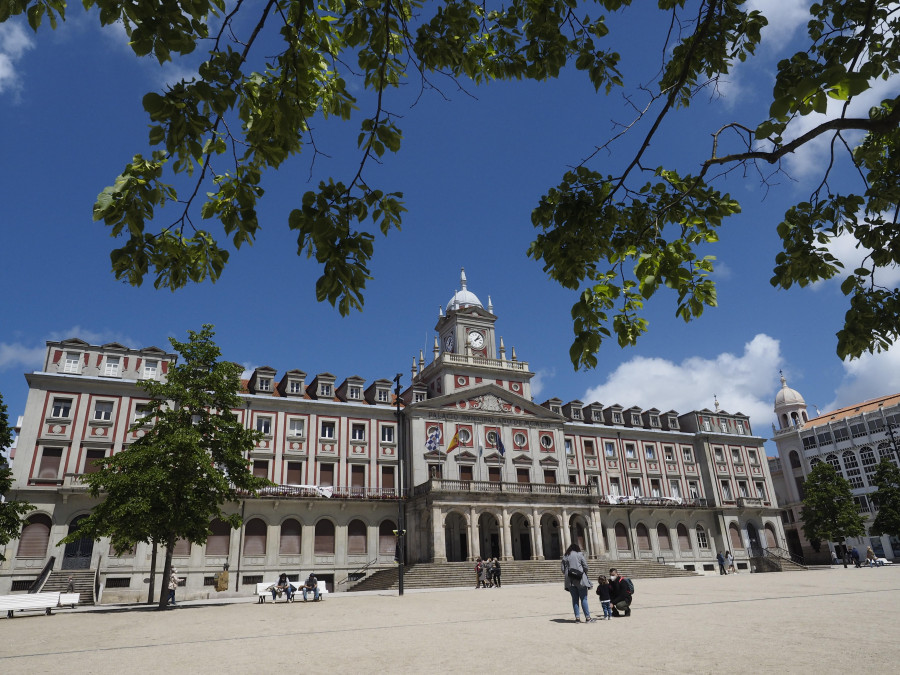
x: 716, y: 402
x: 783, y: 381
x: 462, y: 278
x: 490, y: 306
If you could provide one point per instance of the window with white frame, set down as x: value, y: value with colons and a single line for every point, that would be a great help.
x: 465, y: 436
x: 554, y: 409
x: 706, y: 425
x: 264, y: 384
x: 491, y: 437
x: 675, y: 489
x: 383, y: 395
x: 673, y: 422
x: 735, y: 455
x: 519, y: 439
x: 327, y: 430
x: 669, y: 453
x: 294, y: 387
x: 196, y: 419
x: 723, y: 425
x: 73, y: 362
x: 760, y: 489
x: 296, y: 427
x: 150, y: 368
x: 702, y: 539
x: 742, y: 488
x: 357, y: 432
x: 655, y: 489
x: 546, y: 441
x: 576, y: 414
x: 694, y: 489
x: 650, y: 451
x: 353, y: 393
x: 754, y: 457
x: 387, y: 434
x: 610, y: 448
x: 740, y: 427
x: 617, y: 418
x: 568, y: 444
x: 654, y: 420
x: 418, y: 396
x: 688, y: 454
x: 719, y: 454
x: 141, y: 410
x: 615, y: 489
x: 324, y: 389
x: 111, y: 367
x: 264, y: 425
x: 635, y: 487
x: 630, y: 451
x: 636, y: 419
x: 597, y: 415
x: 103, y: 411
x: 62, y: 407
x: 726, y: 491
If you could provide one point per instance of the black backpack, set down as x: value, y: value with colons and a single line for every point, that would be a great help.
x: 627, y: 585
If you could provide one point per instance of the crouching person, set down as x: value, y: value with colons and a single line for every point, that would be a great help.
x: 620, y: 592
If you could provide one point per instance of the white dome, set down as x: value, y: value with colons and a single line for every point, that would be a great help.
x: 787, y: 396
x: 463, y: 297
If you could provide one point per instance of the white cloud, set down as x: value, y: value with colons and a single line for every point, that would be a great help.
x: 21, y: 357
x: 869, y: 376
x: 845, y: 249
x: 742, y: 383
x: 95, y: 337
x: 785, y: 17
x: 14, y: 42
x: 538, y: 381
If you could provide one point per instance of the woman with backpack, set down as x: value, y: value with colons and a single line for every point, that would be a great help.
x: 575, y: 573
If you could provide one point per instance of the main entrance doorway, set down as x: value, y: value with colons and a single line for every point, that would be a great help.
x: 78, y: 554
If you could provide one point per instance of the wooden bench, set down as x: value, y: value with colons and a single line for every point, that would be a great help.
x: 28, y: 602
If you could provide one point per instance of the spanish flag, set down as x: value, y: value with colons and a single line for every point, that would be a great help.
x: 454, y: 443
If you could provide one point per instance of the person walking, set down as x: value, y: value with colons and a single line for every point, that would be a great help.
x: 497, y: 572
x: 173, y: 584
x: 575, y: 572
x: 478, y: 569
x: 721, y: 559
x: 488, y: 576
x: 730, y: 559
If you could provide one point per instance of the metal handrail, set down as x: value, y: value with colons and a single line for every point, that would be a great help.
x: 776, y: 553
x: 369, y: 564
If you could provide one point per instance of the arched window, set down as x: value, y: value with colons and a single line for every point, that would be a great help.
x: 643, y: 537
x: 386, y: 540
x: 255, y: 537
x: 737, y: 542
x: 853, y: 473
x: 324, y: 544
x: 814, y: 461
x: 662, y: 536
x: 771, y: 540
x: 356, y: 538
x: 219, y: 540
x: 784, y: 421
x: 622, y: 538
x: 182, y: 548
x: 289, y: 541
x: 795, y: 459
x: 702, y: 539
x: 35, y: 537
x: 885, y: 452
x: 684, y: 539
x: 833, y: 460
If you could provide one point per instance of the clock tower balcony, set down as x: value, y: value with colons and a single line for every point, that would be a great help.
x: 447, y: 360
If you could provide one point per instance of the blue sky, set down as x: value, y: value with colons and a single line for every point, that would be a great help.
x: 472, y: 169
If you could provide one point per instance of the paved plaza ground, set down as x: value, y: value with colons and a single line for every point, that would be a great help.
x: 822, y: 621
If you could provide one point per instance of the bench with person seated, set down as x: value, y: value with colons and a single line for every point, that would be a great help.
x: 28, y: 602
x: 264, y: 590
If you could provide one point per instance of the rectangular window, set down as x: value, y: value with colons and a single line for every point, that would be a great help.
x: 111, y: 368
x: 761, y: 489
x: 387, y: 478
x: 264, y: 384
x: 824, y: 438
x: 103, y: 411
x: 635, y: 419
x: 62, y: 407
x: 325, y: 389
x: 435, y: 471
x: 655, y: 490
x: 568, y: 444
x: 654, y: 420
x: 675, y: 489
x: 707, y: 426
x: 720, y: 454
x: 294, y: 473
x: 141, y: 410
x: 740, y: 427
x: 296, y: 427
x: 73, y: 362
x: 610, y: 449
x: 576, y: 414
x: 615, y: 489
x: 327, y: 430
x: 387, y: 434
x: 841, y: 434
x: 635, y: 487
x: 694, y: 489
x: 494, y: 474
x: 876, y: 425
x: 465, y: 473
x: 589, y: 447
x: 723, y: 425
x: 383, y: 395
x: 726, y: 491
x: 353, y: 393
x: 358, y: 479
x: 650, y: 451
x: 856, y: 429
x: 742, y: 488
x: 688, y: 454
x: 326, y: 475
x: 754, y: 458
x: 630, y: 451
x: 673, y: 422
x: 261, y: 468
x: 90, y: 460
x: 549, y: 477
x: 809, y: 442
x: 702, y: 541
x: 669, y: 453
x: 294, y: 387
x: 573, y: 479
x: 735, y: 456
x: 523, y: 475
x: 150, y: 369
x: 264, y: 425
x: 50, y: 461
x: 357, y: 432
x: 617, y: 418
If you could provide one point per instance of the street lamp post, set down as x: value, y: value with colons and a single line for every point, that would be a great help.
x: 401, y: 525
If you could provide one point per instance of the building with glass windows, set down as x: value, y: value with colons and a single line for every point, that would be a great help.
x: 853, y: 439
x: 476, y: 466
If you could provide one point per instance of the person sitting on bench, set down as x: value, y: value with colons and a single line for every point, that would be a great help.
x: 312, y: 584
x: 283, y: 586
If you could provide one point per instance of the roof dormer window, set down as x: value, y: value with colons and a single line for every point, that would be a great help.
x: 295, y: 387
x: 73, y: 361
x: 324, y: 389
x: 264, y: 384
x: 353, y: 393
x: 635, y: 419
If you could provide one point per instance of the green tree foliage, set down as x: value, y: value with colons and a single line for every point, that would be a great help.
x: 887, y: 520
x: 175, y: 479
x: 829, y: 513
x: 616, y: 231
x: 11, y: 511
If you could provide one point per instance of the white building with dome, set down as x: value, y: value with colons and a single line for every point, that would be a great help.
x: 853, y: 439
x: 475, y: 464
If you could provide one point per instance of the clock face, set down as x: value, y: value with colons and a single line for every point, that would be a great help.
x: 476, y: 339
x: 448, y: 343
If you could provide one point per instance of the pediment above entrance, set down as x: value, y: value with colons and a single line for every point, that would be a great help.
x: 490, y: 399
x: 549, y: 461
x: 522, y: 460
x: 465, y: 456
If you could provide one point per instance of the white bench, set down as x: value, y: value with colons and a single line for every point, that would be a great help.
x: 28, y: 602
x: 70, y: 599
x: 264, y: 590
x: 323, y: 590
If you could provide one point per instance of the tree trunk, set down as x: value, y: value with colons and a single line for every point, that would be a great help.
x: 167, y: 572
x: 152, y: 574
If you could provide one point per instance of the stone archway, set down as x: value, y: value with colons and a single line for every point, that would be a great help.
x: 578, y: 534
x: 78, y: 554
x: 489, y: 533
x: 456, y: 537
x: 550, y: 535
x: 753, y: 537
x: 771, y: 538
x: 520, y: 530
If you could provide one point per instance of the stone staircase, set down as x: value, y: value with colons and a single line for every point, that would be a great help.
x: 83, y: 580
x: 462, y: 574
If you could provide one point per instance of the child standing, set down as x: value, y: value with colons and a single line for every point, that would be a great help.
x: 603, y: 594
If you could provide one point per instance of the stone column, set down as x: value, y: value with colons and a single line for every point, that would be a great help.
x: 596, y: 547
x: 537, y: 537
x: 474, y: 543
x: 437, y: 535
x: 505, y: 536
x: 565, y: 531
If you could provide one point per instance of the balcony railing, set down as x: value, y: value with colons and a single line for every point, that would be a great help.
x: 448, y: 485
x: 631, y: 500
x: 328, y: 492
x: 752, y: 501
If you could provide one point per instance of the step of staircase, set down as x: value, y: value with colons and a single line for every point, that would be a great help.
x: 83, y: 580
x: 462, y: 574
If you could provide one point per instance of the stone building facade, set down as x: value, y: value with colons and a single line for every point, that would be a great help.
x: 523, y: 480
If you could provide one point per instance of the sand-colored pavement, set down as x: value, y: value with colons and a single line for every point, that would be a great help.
x: 823, y: 621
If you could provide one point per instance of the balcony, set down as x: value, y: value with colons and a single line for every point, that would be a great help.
x: 327, y: 492
x: 752, y: 502
x: 447, y: 485
x: 668, y: 502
